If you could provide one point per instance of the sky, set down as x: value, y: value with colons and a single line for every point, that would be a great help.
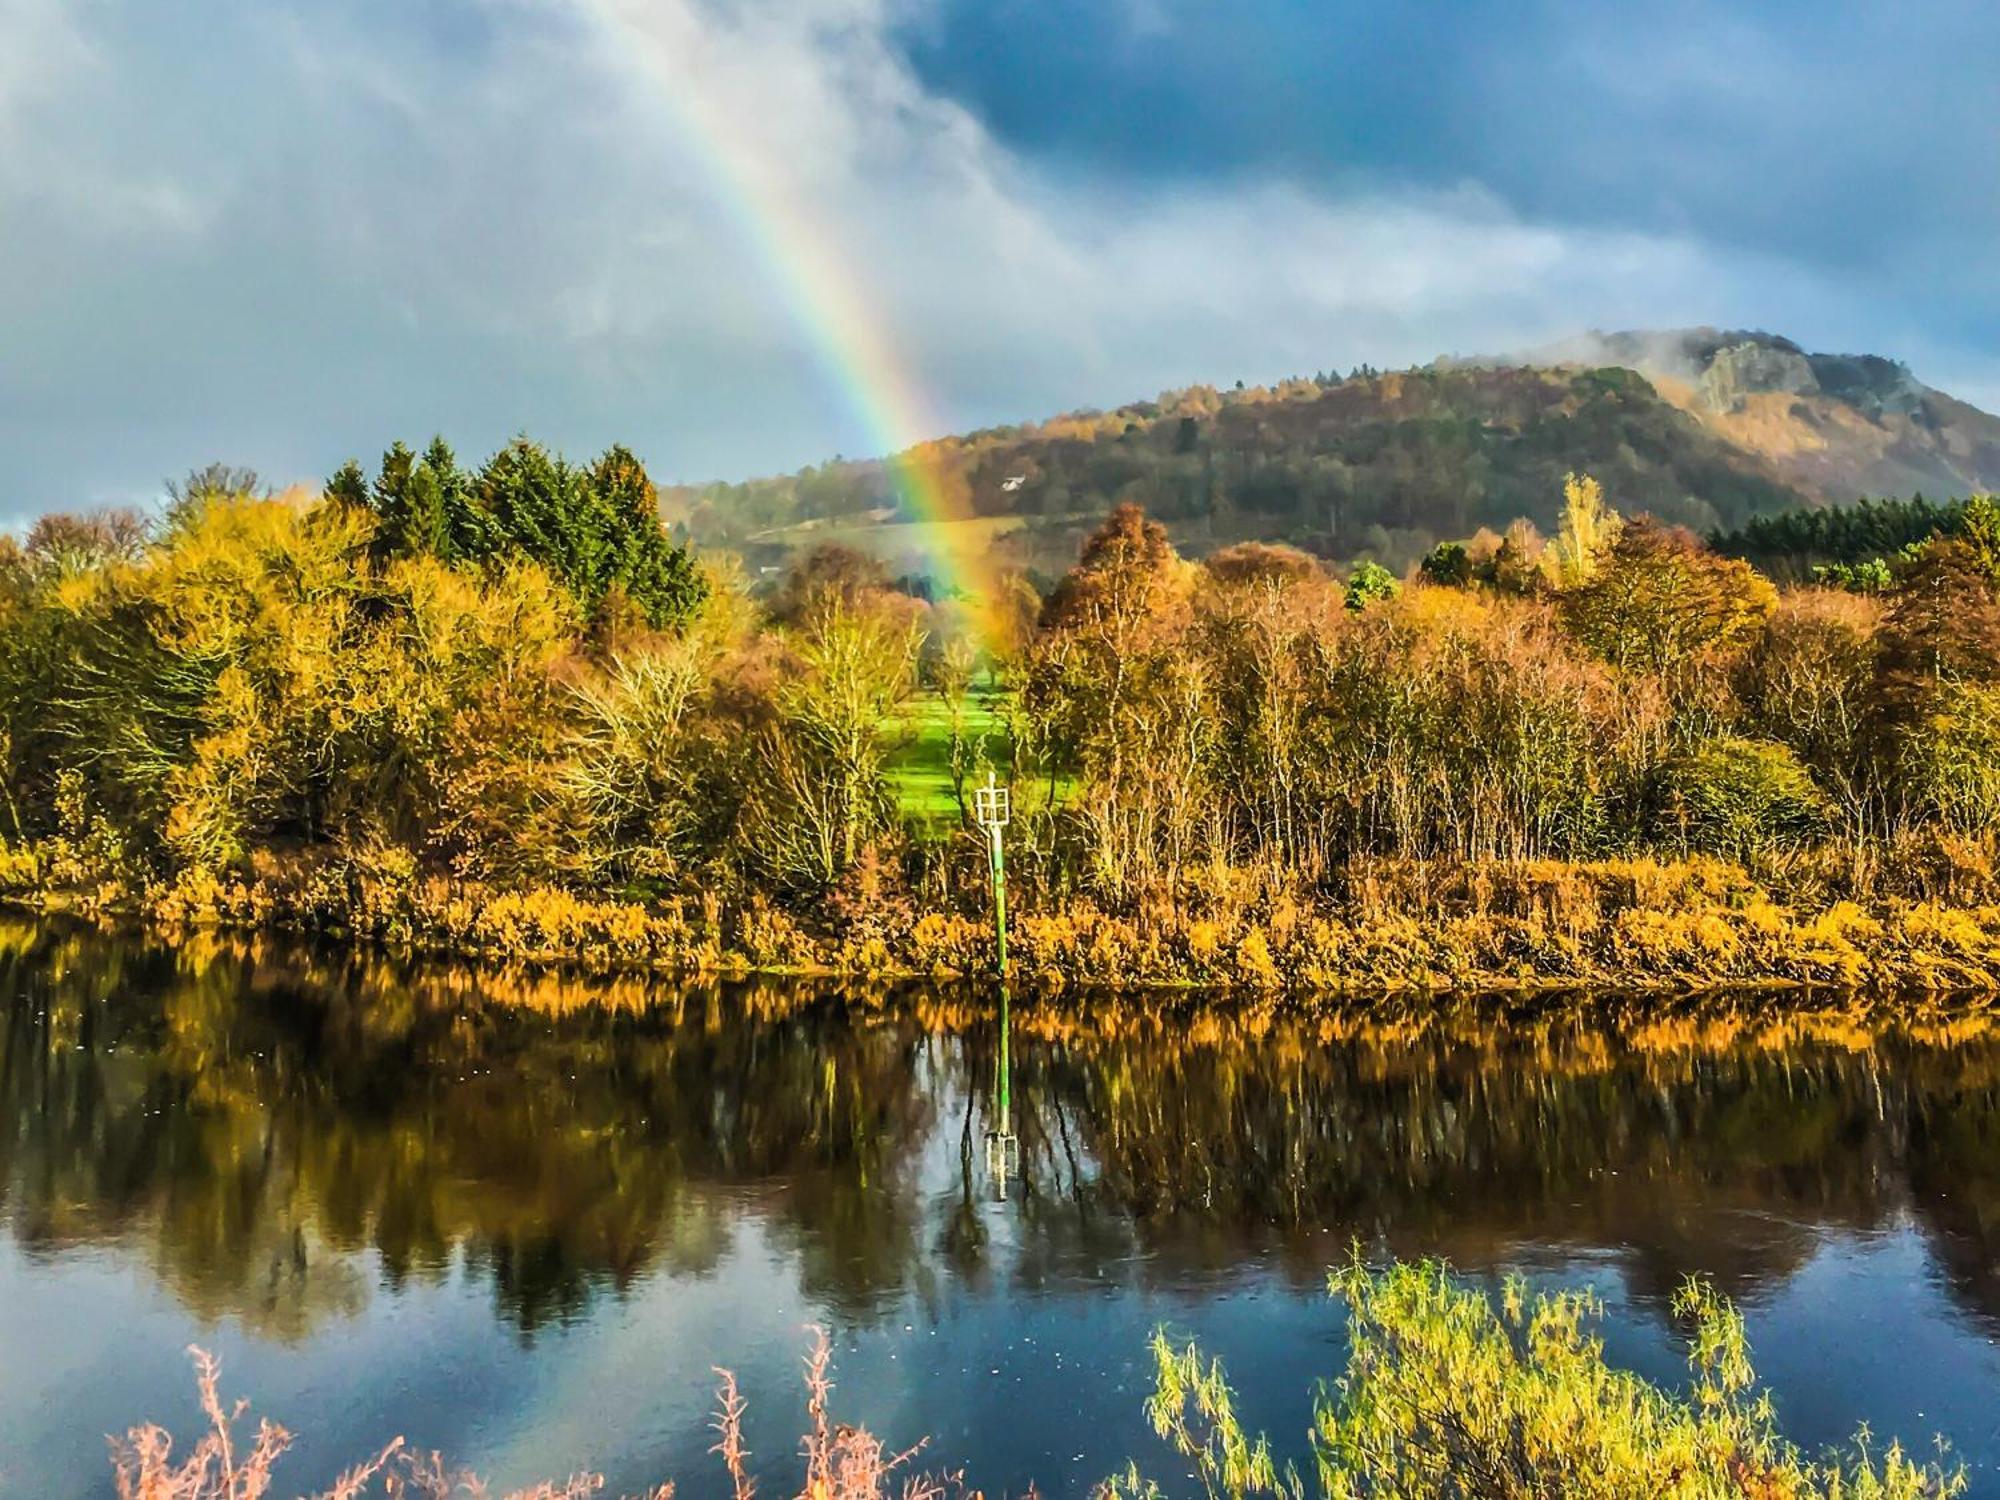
x: 280, y: 233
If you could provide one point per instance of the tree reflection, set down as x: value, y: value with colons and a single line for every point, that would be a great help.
x: 257, y: 1120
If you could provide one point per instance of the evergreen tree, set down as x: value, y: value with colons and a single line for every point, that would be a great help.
x: 596, y: 530
x: 655, y: 574
x: 349, y: 485
x: 457, y: 529
x: 389, y: 498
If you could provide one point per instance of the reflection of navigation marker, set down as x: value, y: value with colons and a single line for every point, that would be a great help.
x: 989, y: 811
x: 1003, y: 1152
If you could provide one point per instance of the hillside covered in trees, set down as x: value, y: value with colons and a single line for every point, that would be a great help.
x: 1701, y: 428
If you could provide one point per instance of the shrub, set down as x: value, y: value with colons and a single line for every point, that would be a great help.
x: 1951, y: 758
x: 1447, y: 1395
x: 1871, y: 577
x: 1739, y: 797
x: 1369, y: 583
x: 20, y: 870
x: 1806, y: 683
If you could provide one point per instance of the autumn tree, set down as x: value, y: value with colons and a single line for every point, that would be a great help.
x: 1128, y: 573
x: 211, y: 482
x: 1106, y: 693
x: 1466, y: 725
x: 827, y: 574
x: 1128, y: 589
x: 820, y: 788
x: 632, y: 788
x: 1659, y: 600
x: 204, y: 688
x: 1250, y: 563
x: 1259, y: 616
x: 1944, y: 625
x: 1807, y: 683
x: 27, y: 650
x: 1979, y: 533
x: 65, y: 543
x: 1589, y: 530
x: 1936, y: 694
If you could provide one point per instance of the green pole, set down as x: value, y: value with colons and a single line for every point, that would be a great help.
x: 1006, y: 1071
x: 999, y: 903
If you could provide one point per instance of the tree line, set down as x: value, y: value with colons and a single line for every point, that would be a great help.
x: 1621, y: 688
x: 1848, y: 544
x: 514, y: 676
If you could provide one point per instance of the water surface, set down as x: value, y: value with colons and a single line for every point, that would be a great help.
x: 519, y: 1217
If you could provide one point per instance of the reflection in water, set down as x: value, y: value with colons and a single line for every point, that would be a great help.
x: 249, y: 1116
x: 281, y: 1132
x: 1003, y: 1147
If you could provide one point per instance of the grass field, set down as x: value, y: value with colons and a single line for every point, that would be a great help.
x: 1042, y: 541
x: 920, y: 763
x: 887, y: 538
x: 920, y: 760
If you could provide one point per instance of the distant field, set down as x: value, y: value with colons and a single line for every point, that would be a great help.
x: 896, y: 536
x: 920, y: 764
x: 1048, y: 542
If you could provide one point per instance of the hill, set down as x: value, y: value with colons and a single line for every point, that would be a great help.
x: 1834, y: 426
x: 1707, y: 428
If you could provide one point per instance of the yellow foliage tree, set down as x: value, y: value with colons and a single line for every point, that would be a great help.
x: 1589, y: 530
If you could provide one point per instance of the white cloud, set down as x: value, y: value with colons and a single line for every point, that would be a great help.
x: 44, y: 48
x: 1010, y: 290
x: 283, y: 235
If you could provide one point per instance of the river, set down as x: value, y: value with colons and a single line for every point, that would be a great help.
x: 519, y: 1216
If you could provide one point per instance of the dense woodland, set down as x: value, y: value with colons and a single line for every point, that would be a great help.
x: 498, y: 706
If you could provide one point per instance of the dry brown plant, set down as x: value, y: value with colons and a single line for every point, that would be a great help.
x: 842, y: 1462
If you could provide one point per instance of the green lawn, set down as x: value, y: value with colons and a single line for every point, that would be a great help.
x: 920, y: 762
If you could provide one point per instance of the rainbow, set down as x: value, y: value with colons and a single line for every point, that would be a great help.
x: 849, y: 337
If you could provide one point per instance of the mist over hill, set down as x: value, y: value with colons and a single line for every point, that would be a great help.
x: 1702, y: 427
x: 1834, y: 426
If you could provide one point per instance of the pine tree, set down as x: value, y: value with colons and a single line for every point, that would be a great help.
x: 597, y: 530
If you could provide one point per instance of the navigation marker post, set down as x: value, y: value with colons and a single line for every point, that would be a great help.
x: 990, y: 811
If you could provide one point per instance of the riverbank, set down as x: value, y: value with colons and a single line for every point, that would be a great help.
x: 1392, y: 927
